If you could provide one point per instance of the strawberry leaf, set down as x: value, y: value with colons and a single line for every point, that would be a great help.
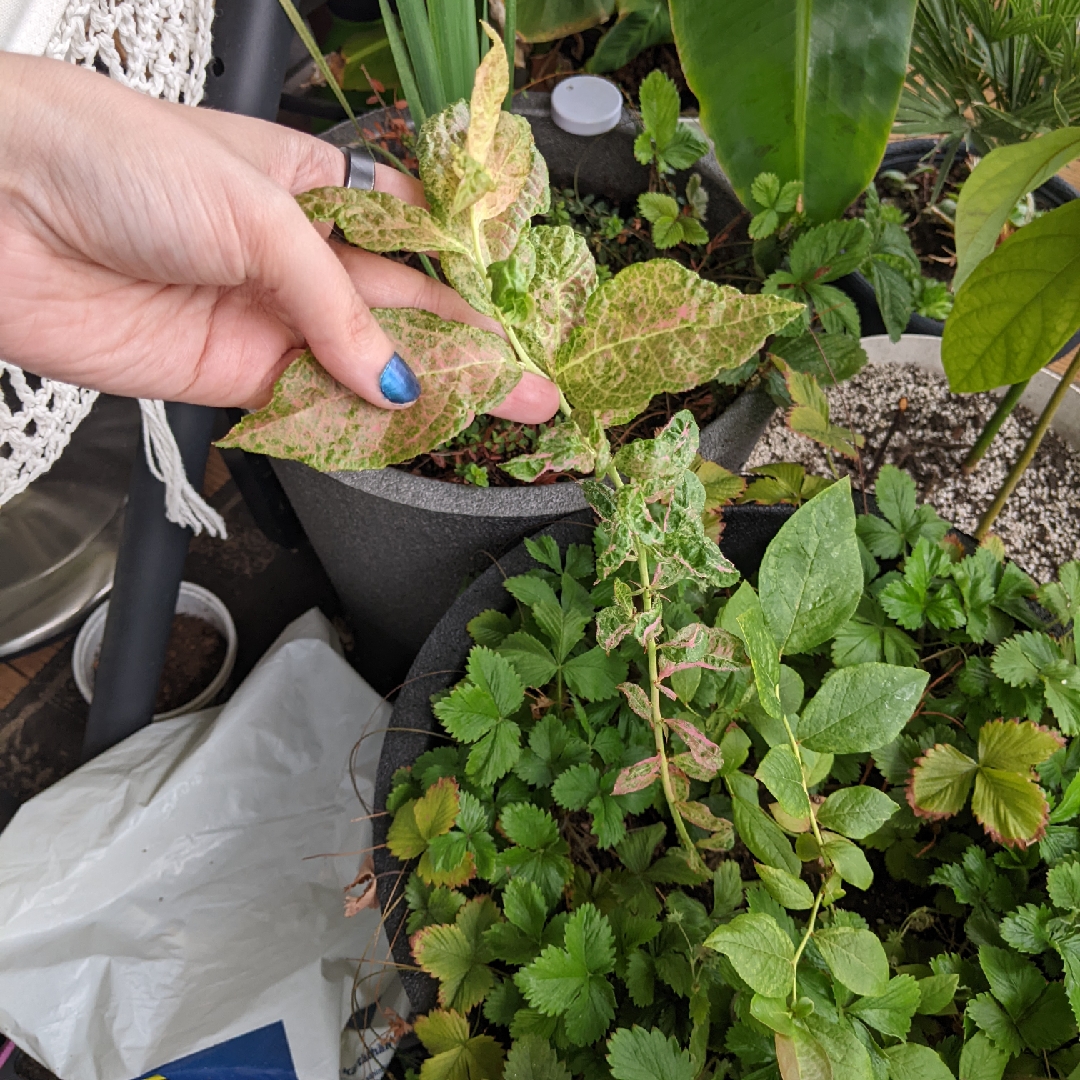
x: 572, y: 982
x: 458, y: 956
x: 454, y: 1054
x: 637, y: 1054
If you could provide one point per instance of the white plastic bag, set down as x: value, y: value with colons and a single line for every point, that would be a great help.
x: 175, y: 893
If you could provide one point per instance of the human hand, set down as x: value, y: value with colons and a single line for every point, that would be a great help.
x: 155, y: 250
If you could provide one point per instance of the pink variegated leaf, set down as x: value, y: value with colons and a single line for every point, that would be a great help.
x: 703, y: 750
x: 680, y: 782
x: 637, y: 699
x: 686, y: 762
x: 721, y: 840
x: 611, y: 627
x: 700, y: 815
x: 649, y: 626
x: 637, y: 777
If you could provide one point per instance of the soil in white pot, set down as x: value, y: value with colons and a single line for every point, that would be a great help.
x: 193, y: 657
x: 930, y: 438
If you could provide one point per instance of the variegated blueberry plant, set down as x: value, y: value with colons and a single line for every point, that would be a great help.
x: 594, y: 880
x: 654, y: 327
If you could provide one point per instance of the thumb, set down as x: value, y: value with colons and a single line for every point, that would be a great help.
x: 311, y: 290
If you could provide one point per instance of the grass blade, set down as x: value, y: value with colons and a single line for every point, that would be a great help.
x: 453, y: 26
x: 403, y: 65
x: 425, y: 60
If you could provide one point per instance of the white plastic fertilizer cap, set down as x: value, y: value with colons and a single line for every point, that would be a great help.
x: 586, y: 105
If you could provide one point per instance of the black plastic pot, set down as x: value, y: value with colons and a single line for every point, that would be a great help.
x: 441, y: 663
x: 904, y: 157
x: 399, y: 548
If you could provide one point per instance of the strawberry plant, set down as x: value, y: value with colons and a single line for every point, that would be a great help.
x: 654, y: 327
x: 672, y: 799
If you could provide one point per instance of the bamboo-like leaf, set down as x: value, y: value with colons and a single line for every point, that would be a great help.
x: 659, y: 327
x: 425, y: 61
x: 804, y: 89
x: 314, y: 419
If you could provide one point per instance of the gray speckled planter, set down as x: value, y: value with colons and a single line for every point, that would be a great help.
x: 399, y: 548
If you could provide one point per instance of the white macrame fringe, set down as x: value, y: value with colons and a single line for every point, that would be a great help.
x: 183, y: 504
x: 161, y: 48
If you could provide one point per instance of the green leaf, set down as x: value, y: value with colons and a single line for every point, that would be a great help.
x: 315, y: 419
x: 454, y: 1055
x: 637, y: 1054
x: 764, y: 656
x: 860, y: 708
x: 1063, y: 885
x: 1010, y: 807
x: 533, y: 1058
x: 642, y: 24
x: 1026, y: 928
x: 856, y: 811
x: 1002, y: 177
x: 809, y: 416
x: 761, y: 834
x: 547, y: 20
x: 1018, y: 307
x: 457, y: 956
x: 429, y: 905
x: 532, y: 659
x: 785, y: 888
x: 594, y: 676
x: 891, y: 1012
x: 936, y: 993
x: 981, y: 1059
x: 911, y: 1061
x: 759, y: 951
x: 663, y: 329
x: 572, y: 982
x: 1014, y: 981
x: 856, y: 959
x: 780, y: 772
x: 830, y: 251
x: 811, y: 577
x: 575, y: 787
x: 849, y: 860
x: 539, y: 852
x: 807, y: 92
x: 830, y: 358
x: 490, y: 628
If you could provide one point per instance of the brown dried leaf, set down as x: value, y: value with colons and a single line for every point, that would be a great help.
x: 314, y: 419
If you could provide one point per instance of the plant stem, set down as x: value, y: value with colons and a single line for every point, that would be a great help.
x: 802, y: 777
x: 993, y: 426
x: 1041, y: 428
x: 692, y: 856
x: 530, y: 365
x: 802, y: 945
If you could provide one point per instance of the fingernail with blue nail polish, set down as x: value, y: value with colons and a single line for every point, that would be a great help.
x: 398, y: 383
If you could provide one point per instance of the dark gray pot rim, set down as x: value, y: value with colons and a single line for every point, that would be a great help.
x: 440, y: 496
x: 907, y: 153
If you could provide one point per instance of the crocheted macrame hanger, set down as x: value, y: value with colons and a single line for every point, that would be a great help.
x: 161, y: 48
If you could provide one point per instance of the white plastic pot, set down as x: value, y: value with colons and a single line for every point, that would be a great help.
x: 192, y: 600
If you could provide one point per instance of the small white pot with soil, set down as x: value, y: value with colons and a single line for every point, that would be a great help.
x: 400, y: 547
x: 901, y: 403
x: 199, y: 657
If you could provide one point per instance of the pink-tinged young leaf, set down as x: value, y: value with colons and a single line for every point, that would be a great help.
x: 1016, y: 745
x: 612, y: 626
x: 939, y: 783
x: 649, y: 626
x: 563, y: 447
x: 509, y: 165
x: 680, y: 782
x: 314, y: 419
x: 659, y: 327
x: 564, y: 280
x: 490, y: 85
x: 501, y: 232
x: 688, y: 765
x: 637, y: 699
x: 439, y: 147
x: 637, y: 777
x: 703, y: 750
x: 699, y: 646
x: 1010, y: 806
x: 377, y: 221
x: 700, y: 815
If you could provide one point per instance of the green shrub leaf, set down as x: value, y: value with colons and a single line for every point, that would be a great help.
x: 856, y: 958
x: 637, y: 1054
x: 890, y: 1012
x: 856, y: 812
x: 759, y: 951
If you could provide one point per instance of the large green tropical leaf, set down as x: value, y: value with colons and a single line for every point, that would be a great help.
x: 1003, y: 176
x: 805, y: 89
x: 546, y: 20
x: 1018, y: 307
